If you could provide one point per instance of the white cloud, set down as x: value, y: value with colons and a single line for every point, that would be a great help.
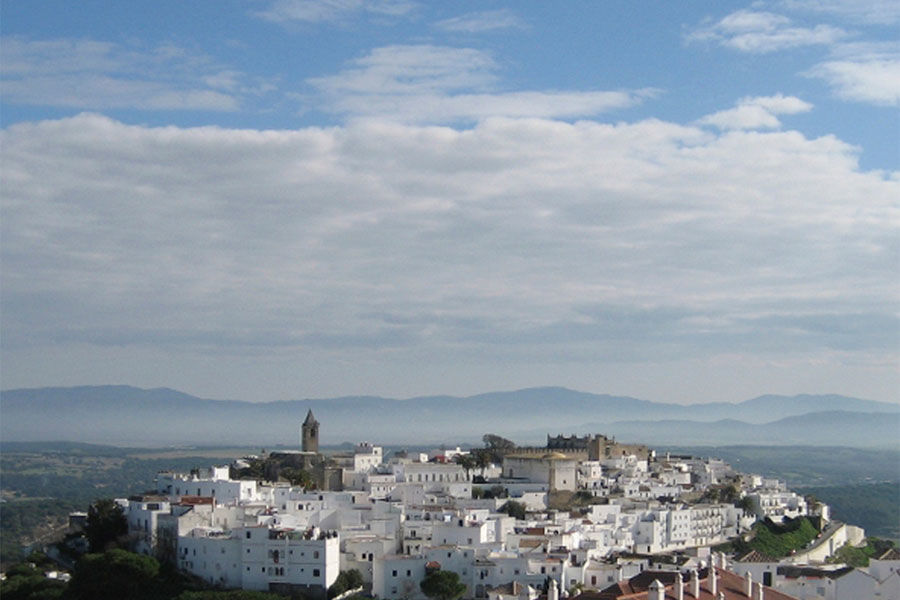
x: 445, y: 85
x: 873, y: 12
x: 863, y: 72
x: 412, y: 70
x: 317, y: 11
x: 386, y: 246
x: 759, y: 112
x: 761, y: 32
x: 479, y: 22
x: 100, y: 75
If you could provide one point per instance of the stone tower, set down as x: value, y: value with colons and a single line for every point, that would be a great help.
x: 309, y: 434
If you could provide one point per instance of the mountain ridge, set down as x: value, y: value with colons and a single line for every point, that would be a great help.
x: 119, y: 413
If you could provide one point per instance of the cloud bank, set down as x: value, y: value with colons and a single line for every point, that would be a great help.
x: 761, y: 32
x: 103, y: 75
x: 523, y: 241
x: 440, y: 84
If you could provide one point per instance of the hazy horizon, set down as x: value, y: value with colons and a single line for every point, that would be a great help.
x: 436, y: 395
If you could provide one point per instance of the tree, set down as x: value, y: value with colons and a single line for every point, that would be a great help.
x: 228, y: 595
x: 482, y: 459
x: 746, y: 504
x: 443, y: 585
x: 497, y: 446
x: 298, y: 477
x: 346, y: 580
x: 496, y: 491
x: 105, y: 526
x: 514, y: 509
x: 114, y: 574
x: 466, y: 461
x: 24, y: 582
x: 495, y: 441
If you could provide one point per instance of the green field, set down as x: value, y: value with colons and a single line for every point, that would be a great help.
x: 41, y: 483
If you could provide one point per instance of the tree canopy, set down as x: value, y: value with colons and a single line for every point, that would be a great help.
x: 105, y: 526
x: 24, y: 582
x: 514, y: 509
x: 346, y: 580
x: 298, y: 477
x: 228, y: 595
x: 494, y: 449
x: 114, y: 574
x: 443, y: 585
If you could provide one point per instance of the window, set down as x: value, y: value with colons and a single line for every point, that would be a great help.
x: 394, y: 573
x: 408, y: 573
x: 248, y: 535
x: 543, y: 569
x: 316, y: 554
x: 315, y: 572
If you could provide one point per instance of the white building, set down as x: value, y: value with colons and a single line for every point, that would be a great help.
x: 262, y: 558
x: 555, y: 469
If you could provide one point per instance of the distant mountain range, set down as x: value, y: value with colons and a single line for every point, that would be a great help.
x: 131, y: 416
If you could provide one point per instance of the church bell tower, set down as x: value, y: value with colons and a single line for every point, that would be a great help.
x: 309, y: 434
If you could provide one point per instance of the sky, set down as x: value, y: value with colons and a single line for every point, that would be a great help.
x: 283, y: 199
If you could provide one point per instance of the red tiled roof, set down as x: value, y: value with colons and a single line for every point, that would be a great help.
x: 730, y: 584
x: 755, y: 557
x: 890, y: 554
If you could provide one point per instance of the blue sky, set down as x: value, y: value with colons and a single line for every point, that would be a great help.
x: 278, y: 199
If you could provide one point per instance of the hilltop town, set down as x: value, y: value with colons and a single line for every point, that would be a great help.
x: 581, y: 517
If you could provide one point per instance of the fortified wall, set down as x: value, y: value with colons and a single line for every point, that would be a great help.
x: 588, y: 447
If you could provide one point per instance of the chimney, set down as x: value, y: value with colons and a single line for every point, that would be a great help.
x: 679, y: 587
x: 553, y: 591
x: 657, y: 591
x: 759, y: 591
x: 695, y: 584
x: 748, y: 584
x: 713, y: 581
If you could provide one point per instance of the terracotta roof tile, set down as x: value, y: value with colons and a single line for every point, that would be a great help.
x: 730, y: 584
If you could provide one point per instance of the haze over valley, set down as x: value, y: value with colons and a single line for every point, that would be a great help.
x: 123, y: 415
